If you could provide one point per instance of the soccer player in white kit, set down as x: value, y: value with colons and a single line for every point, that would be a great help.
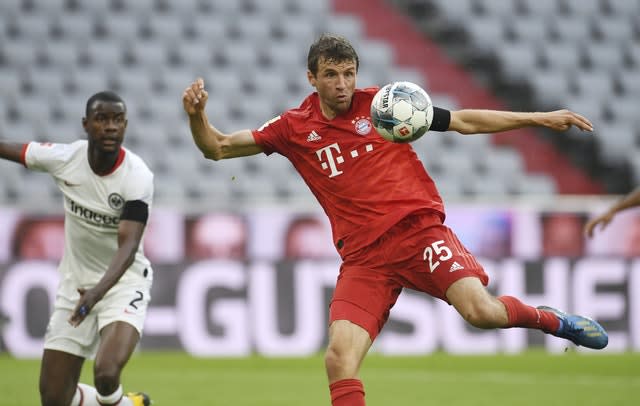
x: 105, y: 283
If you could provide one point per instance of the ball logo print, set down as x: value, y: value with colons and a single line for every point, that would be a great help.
x: 401, y: 112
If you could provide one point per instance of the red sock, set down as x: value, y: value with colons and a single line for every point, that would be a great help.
x: 347, y: 392
x: 522, y: 315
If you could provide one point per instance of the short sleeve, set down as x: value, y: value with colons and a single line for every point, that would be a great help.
x: 272, y: 135
x: 46, y: 156
x: 141, y: 185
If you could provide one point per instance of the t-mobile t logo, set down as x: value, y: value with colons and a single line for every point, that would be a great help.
x: 330, y: 161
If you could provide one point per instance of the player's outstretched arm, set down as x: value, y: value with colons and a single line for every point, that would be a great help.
x: 212, y: 142
x: 627, y: 202
x: 11, y: 151
x: 491, y: 121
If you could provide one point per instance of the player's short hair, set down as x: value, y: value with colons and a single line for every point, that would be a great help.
x: 104, y: 96
x: 333, y: 48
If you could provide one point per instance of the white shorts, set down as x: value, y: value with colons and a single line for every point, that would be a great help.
x: 127, y: 303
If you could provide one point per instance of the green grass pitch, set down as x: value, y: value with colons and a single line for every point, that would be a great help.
x: 533, y: 378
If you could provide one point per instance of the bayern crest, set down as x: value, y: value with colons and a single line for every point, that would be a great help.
x: 362, y: 125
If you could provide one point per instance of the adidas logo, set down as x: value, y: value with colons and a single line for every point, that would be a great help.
x: 455, y: 267
x: 313, y: 136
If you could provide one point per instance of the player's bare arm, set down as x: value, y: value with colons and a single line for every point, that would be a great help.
x: 11, y: 151
x: 129, y: 237
x: 212, y: 142
x: 491, y: 121
x: 629, y: 201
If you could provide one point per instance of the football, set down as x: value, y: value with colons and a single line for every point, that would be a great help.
x: 401, y: 112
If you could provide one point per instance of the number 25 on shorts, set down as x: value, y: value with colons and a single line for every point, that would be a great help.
x: 435, y: 253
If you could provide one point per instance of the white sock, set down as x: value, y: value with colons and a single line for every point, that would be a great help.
x: 85, y: 396
x: 116, y: 398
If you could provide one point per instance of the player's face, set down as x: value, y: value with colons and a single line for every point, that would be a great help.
x: 335, y: 83
x: 105, y: 125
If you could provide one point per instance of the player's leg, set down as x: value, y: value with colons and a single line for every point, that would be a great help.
x: 359, y: 308
x: 454, y: 275
x: 348, y: 345
x: 481, y: 309
x: 65, y: 349
x: 59, y: 375
x: 118, y: 341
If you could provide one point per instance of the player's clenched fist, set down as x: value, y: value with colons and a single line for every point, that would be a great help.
x: 195, y: 97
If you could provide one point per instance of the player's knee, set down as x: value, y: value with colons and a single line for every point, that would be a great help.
x: 340, y: 361
x: 481, y: 315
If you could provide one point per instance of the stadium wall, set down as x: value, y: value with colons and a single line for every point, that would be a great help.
x: 267, y: 292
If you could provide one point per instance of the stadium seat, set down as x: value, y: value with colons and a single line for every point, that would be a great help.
x: 254, y: 28
x: 346, y: 25
x: 483, y: 185
x: 134, y: 7
x: 502, y: 162
x: 498, y: 8
x: 61, y: 54
x: 572, y: 29
x: 148, y: 53
x: 593, y: 83
x: 583, y: 8
x: 623, y: 110
x: 105, y: 53
x: 530, y: 30
x: 604, y: 57
x: 18, y: 53
x: 615, y: 30
x: 87, y: 80
x: 485, y: 32
x: 543, y: 9
x: 35, y: 26
x: 73, y: 26
x: 10, y: 82
x: 46, y: 81
x: 628, y: 82
x: 550, y: 87
x: 623, y: 8
x: 122, y: 27
x: 561, y: 56
x: 48, y: 7
x: 534, y: 185
x: 615, y: 140
x: 10, y: 7
x: 455, y: 11
x: 312, y: 7
x: 517, y: 60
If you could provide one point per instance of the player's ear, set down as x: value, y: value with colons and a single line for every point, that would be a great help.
x: 311, y: 78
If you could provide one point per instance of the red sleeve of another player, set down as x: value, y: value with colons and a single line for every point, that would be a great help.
x: 272, y: 135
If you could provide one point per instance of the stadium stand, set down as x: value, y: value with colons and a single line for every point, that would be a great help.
x: 53, y: 54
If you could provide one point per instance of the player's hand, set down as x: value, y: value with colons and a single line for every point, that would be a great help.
x: 194, y: 97
x: 602, y: 220
x: 562, y: 120
x: 88, y: 299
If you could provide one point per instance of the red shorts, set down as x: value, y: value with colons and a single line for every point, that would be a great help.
x: 419, y: 253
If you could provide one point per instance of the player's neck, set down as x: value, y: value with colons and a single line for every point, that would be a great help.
x: 103, y: 163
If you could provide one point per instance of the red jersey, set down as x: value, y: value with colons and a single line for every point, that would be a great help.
x: 364, y: 183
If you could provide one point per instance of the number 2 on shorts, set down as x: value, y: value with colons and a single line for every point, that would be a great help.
x: 441, y: 252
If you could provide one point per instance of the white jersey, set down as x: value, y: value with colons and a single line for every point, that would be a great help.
x: 93, y: 205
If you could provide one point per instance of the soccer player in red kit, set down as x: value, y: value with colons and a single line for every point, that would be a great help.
x: 385, y: 211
